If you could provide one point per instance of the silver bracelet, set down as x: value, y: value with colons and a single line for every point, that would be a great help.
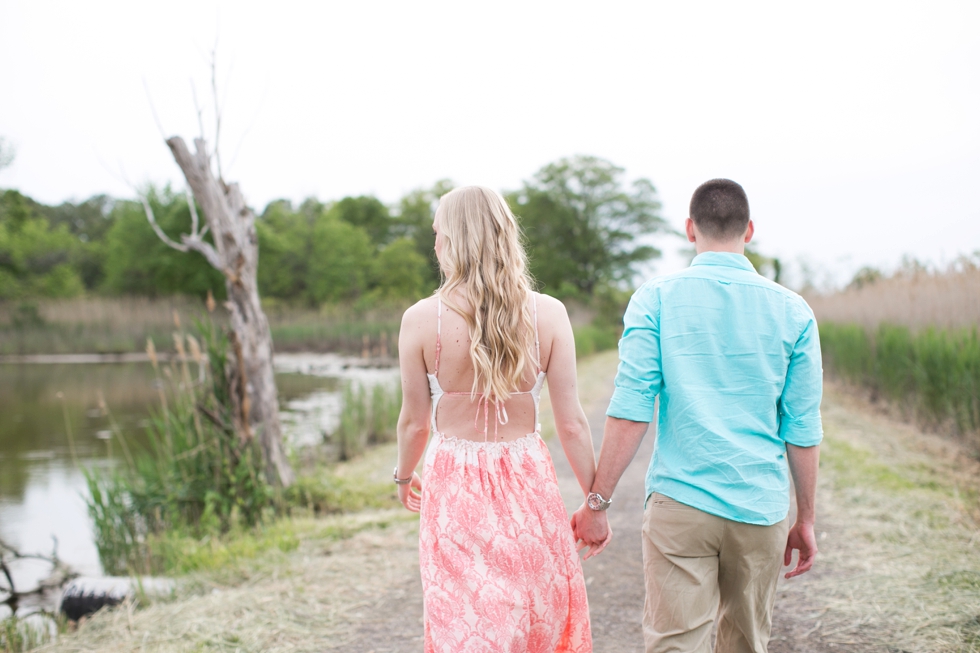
x: 401, y: 481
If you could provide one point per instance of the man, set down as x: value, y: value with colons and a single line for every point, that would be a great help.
x: 735, y: 361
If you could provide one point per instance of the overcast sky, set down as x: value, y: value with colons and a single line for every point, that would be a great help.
x: 853, y: 126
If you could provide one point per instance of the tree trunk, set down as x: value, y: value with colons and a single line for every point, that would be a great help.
x: 236, y: 255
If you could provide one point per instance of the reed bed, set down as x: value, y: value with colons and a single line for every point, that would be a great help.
x: 109, y: 325
x: 932, y: 375
x: 915, y: 297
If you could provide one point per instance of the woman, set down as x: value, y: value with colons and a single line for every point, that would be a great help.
x: 499, y: 567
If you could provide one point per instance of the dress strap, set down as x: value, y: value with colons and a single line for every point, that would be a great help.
x: 438, y: 335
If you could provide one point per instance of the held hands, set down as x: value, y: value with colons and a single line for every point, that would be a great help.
x: 591, y: 531
x: 800, y: 537
x: 410, y: 494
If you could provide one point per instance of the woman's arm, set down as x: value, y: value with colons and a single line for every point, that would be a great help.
x: 413, y: 420
x: 570, y: 421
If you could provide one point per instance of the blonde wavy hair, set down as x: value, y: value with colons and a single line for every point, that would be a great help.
x: 483, y: 260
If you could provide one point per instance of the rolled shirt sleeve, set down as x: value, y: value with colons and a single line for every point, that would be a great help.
x: 799, y: 404
x: 639, y: 379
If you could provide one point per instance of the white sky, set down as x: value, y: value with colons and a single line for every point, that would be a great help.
x: 853, y: 126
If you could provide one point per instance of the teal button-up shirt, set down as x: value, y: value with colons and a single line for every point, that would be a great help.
x: 735, y: 361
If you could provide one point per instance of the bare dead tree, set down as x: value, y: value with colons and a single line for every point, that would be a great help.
x: 235, y: 254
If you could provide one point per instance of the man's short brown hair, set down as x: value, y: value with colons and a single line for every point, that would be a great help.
x: 720, y: 209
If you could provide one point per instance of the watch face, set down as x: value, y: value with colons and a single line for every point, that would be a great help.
x: 595, y: 501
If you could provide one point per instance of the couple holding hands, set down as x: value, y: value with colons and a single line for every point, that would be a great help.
x: 732, y: 358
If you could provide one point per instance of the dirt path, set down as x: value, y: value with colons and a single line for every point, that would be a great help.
x: 899, y: 568
x: 898, y: 571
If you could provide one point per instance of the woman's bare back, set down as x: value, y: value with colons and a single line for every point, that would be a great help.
x: 467, y: 417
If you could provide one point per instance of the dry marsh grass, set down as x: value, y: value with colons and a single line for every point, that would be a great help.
x: 915, y: 297
x: 93, y: 324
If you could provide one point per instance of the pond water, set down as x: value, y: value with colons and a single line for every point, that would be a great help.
x: 42, y: 490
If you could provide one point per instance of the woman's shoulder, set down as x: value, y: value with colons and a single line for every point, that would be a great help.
x: 549, y: 306
x: 421, y: 312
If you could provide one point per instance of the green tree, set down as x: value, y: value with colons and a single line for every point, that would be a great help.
x: 400, y: 272
x: 138, y: 263
x: 35, y: 258
x: 368, y: 213
x: 582, y: 225
x: 285, y: 249
x: 414, y: 221
x: 340, y: 262
x: 768, y: 266
x: 89, y: 222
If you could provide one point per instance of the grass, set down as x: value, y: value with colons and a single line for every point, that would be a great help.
x: 123, y: 325
x: 914, y: 297
x: 368, y: 417
x: 297, y: 600
x: 933, y: 374
x: 898, y: 568
x: 19, y: 634
x: 113, y: 325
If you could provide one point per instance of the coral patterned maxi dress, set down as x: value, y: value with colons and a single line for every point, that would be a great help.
x: 499, y: 567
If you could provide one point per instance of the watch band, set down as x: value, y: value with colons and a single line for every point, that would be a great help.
x: 401, y: 481
x: 595, y: 501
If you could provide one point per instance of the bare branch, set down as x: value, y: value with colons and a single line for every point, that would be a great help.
x: 217, y: 109
x: 255, y: 117
x: 198, y: 109
x: 156, y: 228
x: 153, y: 110
x: 205, y: 250
x: 193, y: 209
x: 189, y: 242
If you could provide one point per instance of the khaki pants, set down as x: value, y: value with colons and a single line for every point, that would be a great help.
x: 697, y: 566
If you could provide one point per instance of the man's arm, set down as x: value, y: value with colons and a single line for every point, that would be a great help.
x: 638, y: 382
x: 620, y: 441
x: 803, y: 465
x: 801, y: 429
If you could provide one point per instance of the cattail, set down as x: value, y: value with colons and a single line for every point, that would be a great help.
x: 209, y: 302
x: 195, y: 348
x: 179, y: 345
x: 151, y: 352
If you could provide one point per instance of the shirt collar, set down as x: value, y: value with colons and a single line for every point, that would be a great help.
x: 723, y: 259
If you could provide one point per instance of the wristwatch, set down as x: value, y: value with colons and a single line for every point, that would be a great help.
x: 596, y: 502
x: 402, y: 481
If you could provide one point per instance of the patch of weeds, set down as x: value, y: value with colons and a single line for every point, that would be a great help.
x: 343, y: 530
x: 327, y: 493
x: 27, y: 633
x: 961, y: 579
x: 855, y: 467
x: 179, y: 552
x: 970, y: 632
x: 933, y: 520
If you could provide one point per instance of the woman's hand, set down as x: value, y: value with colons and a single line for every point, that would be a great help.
x: 410, y: 494
x: 591, y: 531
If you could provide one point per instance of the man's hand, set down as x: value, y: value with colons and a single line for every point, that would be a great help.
x: 591, y: 530
x: 800, y: 537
